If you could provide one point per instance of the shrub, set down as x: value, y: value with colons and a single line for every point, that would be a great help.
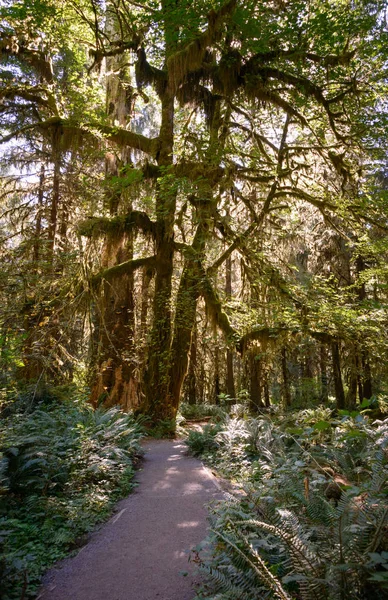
x: 285, y: 538
x: 61, y: 468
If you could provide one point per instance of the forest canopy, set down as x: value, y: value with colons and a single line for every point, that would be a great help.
x: 194, y: 201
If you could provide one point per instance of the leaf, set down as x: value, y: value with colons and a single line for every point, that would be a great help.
x: 322, y: 425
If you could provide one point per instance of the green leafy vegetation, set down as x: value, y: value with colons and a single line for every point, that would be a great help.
x: 309, y: 517
x: 194, y: 208
x: 62, y: 467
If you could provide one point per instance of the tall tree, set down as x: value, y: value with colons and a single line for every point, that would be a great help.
x: 221, y: 125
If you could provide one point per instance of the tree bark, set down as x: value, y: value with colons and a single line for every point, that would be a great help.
x: 367, y: 387
x: 286, y: 380
x: 157, y: 403
x: 192, y: 373
x: 337, y: 376
x: 324, y: 391
x: 266, y: 390
x: 255, y: 387
x: 114, y: 382
x: 216, y: 377
x: 351, y: 396
x: 230, y: 386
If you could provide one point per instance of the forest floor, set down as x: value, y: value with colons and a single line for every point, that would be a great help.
x: 142, y: 553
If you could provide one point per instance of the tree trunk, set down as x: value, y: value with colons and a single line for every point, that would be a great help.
x: 351, y: 396
x: 217, y: 386
x: 230, y: 387
x: 366, y: 377
x: 55, y: 195
x: 191, y: 376
x: 190, y: 284
x: 286, y: 380
x: 324, y: 391
x: 114, y: 381
x: 157, y: 403
x: 186, y: 305
x: 266, y: 390
x: 338, y: 386
x: 32, y: 361
x: 255, y: 387
x: 146, y: 279
x: 38, y: 222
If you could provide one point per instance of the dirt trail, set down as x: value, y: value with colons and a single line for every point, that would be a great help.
x: 140, y: 552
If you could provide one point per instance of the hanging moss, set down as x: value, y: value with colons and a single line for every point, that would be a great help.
x: 226, y: 78
x: 190, y: 58
x: 115, y: 227
x: 149, y: 75
x: 214, y: 310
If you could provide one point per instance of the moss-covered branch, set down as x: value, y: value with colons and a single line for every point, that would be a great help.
x: 36, y: 94
x: 297, y: 55
x: 118, y: 135
x: 263, y: 334
x: 189, y: 58
x: 215, y: 310
x: 117, y: 226
x: 37, y: 59
x: 124, y: 268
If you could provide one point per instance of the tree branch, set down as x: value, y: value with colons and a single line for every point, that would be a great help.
x: 37, y: 59
x: 189, y: 58
x: 124, y: 268
x: 120, y: 136
x: 115, y: 226
x: 214, y: 309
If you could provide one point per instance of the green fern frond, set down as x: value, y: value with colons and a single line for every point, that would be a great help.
x: 259, y: 568
x: 304, y: 559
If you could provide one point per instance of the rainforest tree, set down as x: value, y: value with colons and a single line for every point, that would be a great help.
x: 193, y: 134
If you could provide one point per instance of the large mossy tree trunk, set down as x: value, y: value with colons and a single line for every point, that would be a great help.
x: 114, y: 382
x: 192, y: 372
x: 191, y: 283
x: 157, y: 403
x: 186, y: 307
x: 230, y: 386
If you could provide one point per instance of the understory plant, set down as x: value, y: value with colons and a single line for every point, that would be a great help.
x: 61, y: 468
x: 312, y: 522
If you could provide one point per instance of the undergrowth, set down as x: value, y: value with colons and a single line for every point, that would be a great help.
x: 62, y: 466
x: 312, y: 521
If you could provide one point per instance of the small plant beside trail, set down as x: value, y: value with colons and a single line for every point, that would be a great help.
x: 61, y: 468
x: 313, y: 520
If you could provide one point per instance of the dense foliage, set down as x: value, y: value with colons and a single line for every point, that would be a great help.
x: 194, y: 189
x: 62, y: 466
x: 309, y: 518
x: 194, y: 204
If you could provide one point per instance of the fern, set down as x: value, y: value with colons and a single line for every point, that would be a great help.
x: 288, y: 539
x: 59, y: 474
x: 255, y: 562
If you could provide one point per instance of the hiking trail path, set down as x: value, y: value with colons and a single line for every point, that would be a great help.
x: 142, y: 551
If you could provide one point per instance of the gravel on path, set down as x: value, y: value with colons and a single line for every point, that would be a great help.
x: 143, y: 551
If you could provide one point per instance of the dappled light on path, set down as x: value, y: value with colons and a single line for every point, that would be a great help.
x: 141, y: 553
